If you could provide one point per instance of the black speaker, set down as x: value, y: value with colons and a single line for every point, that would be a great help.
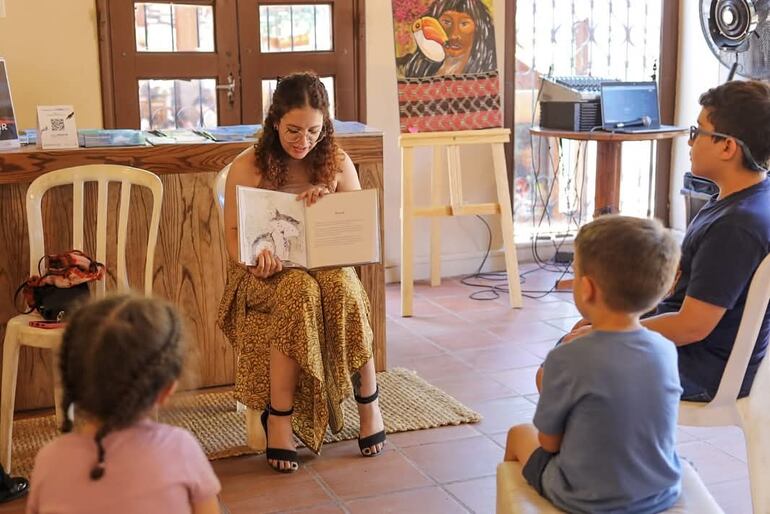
x: 574, y: 116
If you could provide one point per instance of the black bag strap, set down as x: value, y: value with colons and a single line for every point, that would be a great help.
x: 16, y: 299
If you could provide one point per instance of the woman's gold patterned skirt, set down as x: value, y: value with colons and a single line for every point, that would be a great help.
x: 320, y: 319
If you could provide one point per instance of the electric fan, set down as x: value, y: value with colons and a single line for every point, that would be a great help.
x: 738, y: 33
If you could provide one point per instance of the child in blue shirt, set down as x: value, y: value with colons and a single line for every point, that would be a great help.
x: 604, y: 434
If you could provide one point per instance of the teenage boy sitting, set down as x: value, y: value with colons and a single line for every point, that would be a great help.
x: 605, y: 423
x: 726, y: 241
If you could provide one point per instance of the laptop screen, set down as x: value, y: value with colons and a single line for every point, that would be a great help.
x: 628, y: 102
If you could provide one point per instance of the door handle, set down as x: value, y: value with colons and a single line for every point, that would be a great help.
x: 229, y: 87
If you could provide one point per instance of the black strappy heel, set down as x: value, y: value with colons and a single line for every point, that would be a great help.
x: 281, y: 454
x: 12, y: 488
x: 367, y: 442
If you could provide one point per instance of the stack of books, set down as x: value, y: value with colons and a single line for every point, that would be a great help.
x: 121, y: 137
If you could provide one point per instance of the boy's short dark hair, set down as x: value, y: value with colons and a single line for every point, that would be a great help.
x: 742, y: 109
x: 632, y: 260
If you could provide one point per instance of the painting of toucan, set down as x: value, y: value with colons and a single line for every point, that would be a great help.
x: 430, y: 39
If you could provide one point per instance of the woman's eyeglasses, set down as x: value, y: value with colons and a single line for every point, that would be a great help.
x: 696, y: 131
x: 295, y: 136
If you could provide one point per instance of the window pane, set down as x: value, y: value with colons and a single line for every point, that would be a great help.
x: 174, y: 27
x: 295, y: 28
x: 167, y: 104
x: 614, y: 39
x: 268, y: 87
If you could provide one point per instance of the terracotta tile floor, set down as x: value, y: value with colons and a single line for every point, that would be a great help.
x: 485, y: 355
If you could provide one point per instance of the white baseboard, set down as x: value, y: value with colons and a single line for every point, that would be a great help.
x: 458, y: 264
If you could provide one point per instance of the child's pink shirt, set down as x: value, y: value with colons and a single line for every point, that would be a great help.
x: 149, y: 467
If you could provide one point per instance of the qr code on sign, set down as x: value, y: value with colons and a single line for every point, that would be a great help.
x: 57, y: 124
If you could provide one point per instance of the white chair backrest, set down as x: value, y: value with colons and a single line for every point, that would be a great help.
x: 219, y: 194
x: 103, y: 174
x: 746, y: 339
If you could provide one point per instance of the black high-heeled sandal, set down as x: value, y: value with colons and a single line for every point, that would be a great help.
x: 279, y: 454
x: 12, y: 488
x: 367, y: 442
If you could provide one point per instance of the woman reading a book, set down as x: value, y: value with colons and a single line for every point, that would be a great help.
x: 303, y: 338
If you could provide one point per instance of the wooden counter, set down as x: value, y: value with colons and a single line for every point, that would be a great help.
x: 190, y: 259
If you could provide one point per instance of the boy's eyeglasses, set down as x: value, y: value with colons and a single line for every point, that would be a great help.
x: 295, y: 136
x: 696, y: 131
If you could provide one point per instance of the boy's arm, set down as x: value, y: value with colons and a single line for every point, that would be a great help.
x: 695, y: 320
x: 209, y: 506
x: 558, y: 386
x: 539, y: 379
x: 550, y: 443
x: 720, y: 272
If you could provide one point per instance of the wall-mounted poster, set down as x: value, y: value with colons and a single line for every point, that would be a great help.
x: 9, y: 135
x: 446, y: 65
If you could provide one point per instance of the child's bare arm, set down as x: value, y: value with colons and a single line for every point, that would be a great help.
x: 210, y: 506
x: 550, y: 443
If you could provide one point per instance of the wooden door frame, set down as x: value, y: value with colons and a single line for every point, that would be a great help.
x: 669, y: 61
x: 229, y: 46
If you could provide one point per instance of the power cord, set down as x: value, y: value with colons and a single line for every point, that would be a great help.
x: 494, y: 290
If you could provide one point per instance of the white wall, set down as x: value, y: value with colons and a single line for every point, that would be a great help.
x: 464, y: 240
x: 698, y: 71
x: 52, y: 51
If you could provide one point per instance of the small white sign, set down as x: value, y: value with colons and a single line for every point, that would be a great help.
x: 56, y: 126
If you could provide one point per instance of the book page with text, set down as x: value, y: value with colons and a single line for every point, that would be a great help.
x: 343, y: 229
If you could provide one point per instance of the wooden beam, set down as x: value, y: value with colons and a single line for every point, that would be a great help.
x: 669, y: 62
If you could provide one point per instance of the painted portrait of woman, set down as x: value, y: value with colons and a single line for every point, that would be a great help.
x: 452, y: 37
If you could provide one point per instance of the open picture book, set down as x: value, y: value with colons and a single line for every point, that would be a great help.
x: 340, y: 229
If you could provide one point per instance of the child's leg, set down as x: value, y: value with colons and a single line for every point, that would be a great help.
x: 521, y: 442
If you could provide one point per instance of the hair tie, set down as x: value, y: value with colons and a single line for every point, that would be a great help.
x: 97, y: 471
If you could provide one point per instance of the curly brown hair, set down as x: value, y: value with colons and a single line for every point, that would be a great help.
x: 296, y: 91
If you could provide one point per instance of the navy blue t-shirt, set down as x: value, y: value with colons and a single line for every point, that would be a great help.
x: 722, y: 249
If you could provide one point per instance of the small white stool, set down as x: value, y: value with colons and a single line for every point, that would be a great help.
x: 516, y: 496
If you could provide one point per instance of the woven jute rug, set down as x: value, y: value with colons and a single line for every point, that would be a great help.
x: 407, y: 402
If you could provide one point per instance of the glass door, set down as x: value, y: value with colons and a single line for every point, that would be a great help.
x: 278, y: 38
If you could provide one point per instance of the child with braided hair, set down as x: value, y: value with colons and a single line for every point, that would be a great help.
x: 120, y: 358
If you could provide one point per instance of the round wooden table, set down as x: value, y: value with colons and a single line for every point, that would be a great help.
x: 608, y: 159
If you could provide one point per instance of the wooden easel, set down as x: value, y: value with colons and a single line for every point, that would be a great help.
x: 451, y: 142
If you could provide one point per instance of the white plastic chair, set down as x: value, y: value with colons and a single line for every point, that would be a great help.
x: 516, y: 496
x: 255, y: 433
x: 18, y: 333
x: 751, y: 414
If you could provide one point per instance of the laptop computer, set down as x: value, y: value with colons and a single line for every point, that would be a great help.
x: 631, y: 107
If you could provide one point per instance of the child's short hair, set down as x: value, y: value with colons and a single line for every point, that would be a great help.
x: 117, y: 355
x: 632, y: 260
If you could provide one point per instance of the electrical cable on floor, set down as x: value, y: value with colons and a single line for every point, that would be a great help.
x: 493, y: 291
x: 575, y: 216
